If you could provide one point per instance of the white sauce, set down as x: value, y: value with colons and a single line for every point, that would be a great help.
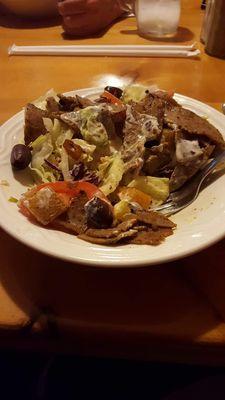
x: 150, y: 124
x: 187, y: 150
x: 43, y: 197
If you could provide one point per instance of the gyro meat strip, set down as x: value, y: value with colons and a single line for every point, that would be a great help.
x: 112, y: 232
x: 144, y: 122
x: 139, y: 128
x: 76, y: 213
x: 113, y: 129
x: 70, y: 119
x: 151, y: 237
x: 183, y: 172
x: 157, y: 157
x: 68, y: 103
x: 155, y: 219
x: 118, y: 113
x: 34, y: 125
x: 154, y: 106
x: 160, y: 157
x: 190, y: 156
x: 133, y: 148
x: 84, y: 102
x: 168, y: 99
x: 66, y: 226
x: 108, y: 241
x: 106, y: 119
x: 52, y: 105
x: 194, y: 124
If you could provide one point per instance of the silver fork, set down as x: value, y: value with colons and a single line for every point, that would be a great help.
x: 185, y: 196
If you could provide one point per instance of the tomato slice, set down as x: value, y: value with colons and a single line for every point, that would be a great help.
x: 72, y: 189
x: 67, y: 190
x: 111, y: 98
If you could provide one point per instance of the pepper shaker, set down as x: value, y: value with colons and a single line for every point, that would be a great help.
x: 215, y: 40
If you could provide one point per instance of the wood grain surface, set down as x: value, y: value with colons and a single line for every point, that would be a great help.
x: 171, y: 312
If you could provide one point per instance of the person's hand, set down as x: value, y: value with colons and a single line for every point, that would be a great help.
x: 86, y: 17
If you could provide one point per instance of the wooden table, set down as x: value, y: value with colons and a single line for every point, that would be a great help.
x: 172, y: 312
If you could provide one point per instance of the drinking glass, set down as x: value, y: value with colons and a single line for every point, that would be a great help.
x: 157, y: 18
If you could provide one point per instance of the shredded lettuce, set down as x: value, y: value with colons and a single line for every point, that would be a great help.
x: 58, y: 131
x: 50, y: 146
x: 41, y: 174
x: 48, y: 124
x: 136, y: 92
x: 42, y: 149
x: 92, y: 130
x: 64, y: 165
x: 111, y: 171
x: 87, y: 148
x: 37, y: 142
x: 13, y: 199
x: 59, y: 134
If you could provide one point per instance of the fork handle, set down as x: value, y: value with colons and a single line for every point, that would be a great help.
x: 212, y: 165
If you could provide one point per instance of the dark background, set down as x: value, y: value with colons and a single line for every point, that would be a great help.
x: 26, y: 375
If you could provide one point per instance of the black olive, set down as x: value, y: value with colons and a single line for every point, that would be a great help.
x: 151, y: 143
x: 20, y: 156
x: 117, y: 92
x: 99, y: 213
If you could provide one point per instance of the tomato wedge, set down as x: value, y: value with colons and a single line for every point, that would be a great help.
x: 70, y: 188
x: 67, y: 190
x: 111, y: 98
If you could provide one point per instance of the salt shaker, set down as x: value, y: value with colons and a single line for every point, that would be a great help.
x: 206, y: 20
x: 215, y: 40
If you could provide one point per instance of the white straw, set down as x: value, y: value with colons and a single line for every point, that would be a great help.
x: 108, y: 50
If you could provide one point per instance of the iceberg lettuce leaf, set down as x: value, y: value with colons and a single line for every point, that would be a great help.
x: 111, y: 171
x: 157, y: 188
x: 41, y: 149
x: 42, y: 175
x: 92, y: 130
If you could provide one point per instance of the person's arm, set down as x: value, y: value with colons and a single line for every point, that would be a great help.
x: 86, y: 17
x: 34, y: 8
